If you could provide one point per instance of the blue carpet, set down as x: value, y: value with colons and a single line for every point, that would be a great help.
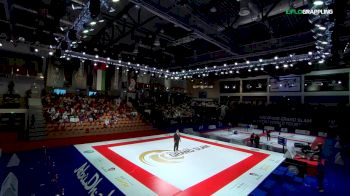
x: 52, y: 173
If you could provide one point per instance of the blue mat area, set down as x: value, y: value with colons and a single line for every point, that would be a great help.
x: 53, y: 173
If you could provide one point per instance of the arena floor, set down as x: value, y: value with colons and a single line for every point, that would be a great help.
x: 148, y: 166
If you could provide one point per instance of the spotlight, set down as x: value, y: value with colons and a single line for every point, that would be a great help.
x: 247, y: 62
x: 85, y: 31
x: 291, y: 65
x: 339, y: 82
x: 309, y: 63
x: 115, y: 1
x: 17, y: 69
x: 322, y: 28
x: 68, y: 58
x: 260, y: 60
x: 321, y: 61
x: 50, y: 53
x: 92, y: 23
x: 225, y: 65
x: 96, y: 56
x: 262, y: 69
x: 107, y: 66
x: 95, y: 64
x: 102, y: 20
x: 310, y: 53
x: 236, y: 63
x: 237, y: 71
x: 285, y: 65
x: 249, y: 70
x: 277, y: 67
x: 108, y: 59
x: 318, y: 2
x: 36, y: 50
x: 0, y: 44
x: 256, y: 69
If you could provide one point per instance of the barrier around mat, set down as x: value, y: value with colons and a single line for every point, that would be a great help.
x: 188, y: 130
x: 269, y: 128
x: 302, y: 132
x: 211, y: 127
x: 322, y: 134
x: 242, y: 125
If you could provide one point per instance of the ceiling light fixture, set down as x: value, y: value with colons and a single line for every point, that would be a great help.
x: 318, y: 2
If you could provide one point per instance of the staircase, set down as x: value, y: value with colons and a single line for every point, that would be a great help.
x: 36, y: 130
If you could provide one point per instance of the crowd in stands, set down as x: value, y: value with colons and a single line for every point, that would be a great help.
x: 73, y: 108
x: 175, y: 111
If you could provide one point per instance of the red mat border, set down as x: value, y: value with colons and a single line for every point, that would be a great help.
x: 161, y: 187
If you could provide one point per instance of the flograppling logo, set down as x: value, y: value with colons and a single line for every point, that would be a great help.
x: 154, y: 157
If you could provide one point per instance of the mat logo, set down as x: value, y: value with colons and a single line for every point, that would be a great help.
x: 91, y: 184
x: 159, y: 156
x: 166, y: 156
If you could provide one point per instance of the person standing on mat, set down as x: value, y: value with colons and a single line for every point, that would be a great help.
x: 252, y: 136
x: 268, y: 135
x: 176, y: 140
x: 257, y: 141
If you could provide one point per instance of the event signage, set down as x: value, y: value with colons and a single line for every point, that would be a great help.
x: 90, y: 184
x: 282, y: 141
x: 284, y: 121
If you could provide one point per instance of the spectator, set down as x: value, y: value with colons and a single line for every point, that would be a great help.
x: 252, y: 137
x: 257, y: 141
x: 268, y: 135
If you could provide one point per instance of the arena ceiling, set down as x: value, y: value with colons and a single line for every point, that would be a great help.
x: 169, y: 34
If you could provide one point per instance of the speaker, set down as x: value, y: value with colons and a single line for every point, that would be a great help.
x: 94, y: 8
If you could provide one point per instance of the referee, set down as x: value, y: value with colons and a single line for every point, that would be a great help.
x: 176, y: 140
